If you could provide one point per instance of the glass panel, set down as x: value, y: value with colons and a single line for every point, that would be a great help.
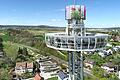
x: 92, y: 43
x: 77, y: 31
x: 78, y: 43
x: 52, y: 41
x: 71, y: 43
x: 85, y: 43
x: 64, y: 42
x: 99, y: 43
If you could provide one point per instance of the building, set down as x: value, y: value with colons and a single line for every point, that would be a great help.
x: 102, y: 53
x: 89, y: 52
x: 109, y: 52
x: 116, y: 49
x: 105, y: 53
x: 48, y: 66
x: 109, y: 67
x: 119, y: 74
x: 109, y: 45
x: 62, y: 76
x: 29, y: 67
x: 22, y: 67
x: 89, y: 63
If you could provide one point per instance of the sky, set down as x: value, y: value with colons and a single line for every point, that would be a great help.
x: 100, y: 13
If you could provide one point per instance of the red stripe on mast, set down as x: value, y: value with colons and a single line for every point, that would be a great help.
x: 84, y: 12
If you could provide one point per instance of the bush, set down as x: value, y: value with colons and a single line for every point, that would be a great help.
x: 99, y: 72
x: 27, y: 75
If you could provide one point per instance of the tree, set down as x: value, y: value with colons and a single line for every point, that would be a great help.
x: 116, y: 59
x: 27, y: 75
x: 98, y: 59
x: 99, y: 72
x: 4, y: 74
x: 113, y: 77
x: 24, y: 51
x: 1, y: 44
x: 21, y: 58
x: 36, y: 65
x: 20, y: 51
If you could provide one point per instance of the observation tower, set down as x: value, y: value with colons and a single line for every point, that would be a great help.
x: 76, y: 40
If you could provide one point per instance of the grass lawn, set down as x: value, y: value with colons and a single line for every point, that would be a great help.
x: 53, y: 78
x: 10, y: 49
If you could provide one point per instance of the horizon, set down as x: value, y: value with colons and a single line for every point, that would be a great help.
x: 52, y: 13
x: 54, y: 26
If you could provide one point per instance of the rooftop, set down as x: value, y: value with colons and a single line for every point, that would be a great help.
x: 62, y: 75
x: 24, y: 64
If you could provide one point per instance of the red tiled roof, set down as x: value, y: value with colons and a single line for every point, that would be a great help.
x: 37, y: 77
x: 23, y: 65
x: 29, y: 65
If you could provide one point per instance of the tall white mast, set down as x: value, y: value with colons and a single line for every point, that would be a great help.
x: 75, y: 40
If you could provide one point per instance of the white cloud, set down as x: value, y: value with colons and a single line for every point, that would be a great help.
x: 53, y: 20
x: 56, y: 20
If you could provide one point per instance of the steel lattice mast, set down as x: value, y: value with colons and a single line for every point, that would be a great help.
x: 75, y: 40
x: 75, y: 28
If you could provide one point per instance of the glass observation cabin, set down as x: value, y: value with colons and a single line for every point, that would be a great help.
x: 89, y: 42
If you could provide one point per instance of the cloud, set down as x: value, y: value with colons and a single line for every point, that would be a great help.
x: 56, y: 20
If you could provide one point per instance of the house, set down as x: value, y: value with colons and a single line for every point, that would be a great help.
x: 22, y: 67
x: 109, y: 45
x: 116, y: 48
x: 62, y: 76
x: 89, y: 63
x: 118, y: 38
x: 102, y: 53
x: 29, y: 67
x: 89, y: 52
x: 105, y: 53
x: 48, y: 66
x: 109, y: 52
x: 109, y: 67
x: 119, y: 74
